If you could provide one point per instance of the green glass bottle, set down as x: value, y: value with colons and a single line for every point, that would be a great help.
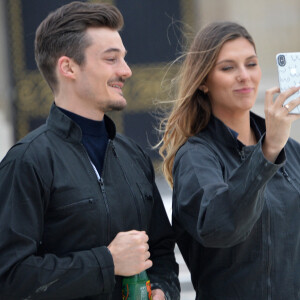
x: 136, y: 287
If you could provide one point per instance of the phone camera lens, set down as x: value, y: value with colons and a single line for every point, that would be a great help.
x: 281, y: 60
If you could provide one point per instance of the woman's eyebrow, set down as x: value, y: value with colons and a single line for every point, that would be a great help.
x: 230, y: 60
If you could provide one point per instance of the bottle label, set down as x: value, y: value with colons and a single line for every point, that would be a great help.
x: 149, y: 292
x: 137, y: 291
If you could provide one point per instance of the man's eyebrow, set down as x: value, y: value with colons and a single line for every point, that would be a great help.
x: 114, y: 50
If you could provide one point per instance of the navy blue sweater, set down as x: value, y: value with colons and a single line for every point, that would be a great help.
x: 94, y: 137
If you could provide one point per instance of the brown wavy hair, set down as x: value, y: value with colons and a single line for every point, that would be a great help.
x: 191, y: 109
x: 63, y: 32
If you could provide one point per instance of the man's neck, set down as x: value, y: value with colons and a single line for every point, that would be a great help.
x: 79, y: 109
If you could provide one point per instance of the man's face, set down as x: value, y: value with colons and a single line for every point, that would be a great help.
x: 100, y: 79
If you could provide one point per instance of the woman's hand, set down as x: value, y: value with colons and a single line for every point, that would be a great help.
x: 158, y: 294
x: 278, y: 121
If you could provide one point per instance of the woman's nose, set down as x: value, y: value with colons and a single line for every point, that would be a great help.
x: 243, y: 75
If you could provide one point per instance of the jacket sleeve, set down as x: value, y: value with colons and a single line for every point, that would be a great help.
x: 23, y: 273
x: 219, y: 211
x: 164, y: 272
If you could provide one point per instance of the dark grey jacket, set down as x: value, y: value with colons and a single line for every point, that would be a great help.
x: 56, y: 218
x: 237, y: 216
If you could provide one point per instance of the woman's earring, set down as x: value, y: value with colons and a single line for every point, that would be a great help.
x: 203, y: 88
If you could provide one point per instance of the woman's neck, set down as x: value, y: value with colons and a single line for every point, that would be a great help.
x: 241, y: 124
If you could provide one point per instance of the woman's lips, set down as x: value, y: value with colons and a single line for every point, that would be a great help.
x: 245, y: 90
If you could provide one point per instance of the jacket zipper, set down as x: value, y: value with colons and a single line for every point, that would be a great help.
x: 269, y: 254
x: 290, y: 181
x: 129, y: 185
x: 286, y: 175
x: 242, y: 154
x: 101, y: 183
x: 102, y: 188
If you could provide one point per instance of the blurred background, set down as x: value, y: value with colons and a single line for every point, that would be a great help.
x: 155, y: 34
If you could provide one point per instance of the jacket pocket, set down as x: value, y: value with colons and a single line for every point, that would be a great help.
x: 146, y: 202
x: 75, y: 206
x: 293, y: 182
x: 71, y: 223
x: 70, y: 200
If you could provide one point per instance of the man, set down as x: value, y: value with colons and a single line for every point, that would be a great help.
x: 79, y: 206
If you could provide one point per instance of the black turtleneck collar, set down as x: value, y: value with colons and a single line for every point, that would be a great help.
x: 69, y: 129
x: 94, y: 135
x: 87, y: 126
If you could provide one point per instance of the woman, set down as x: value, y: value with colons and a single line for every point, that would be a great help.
x: 235, y: 176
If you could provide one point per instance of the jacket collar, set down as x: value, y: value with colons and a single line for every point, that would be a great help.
x: 223, y: 134
x: 68, y: 129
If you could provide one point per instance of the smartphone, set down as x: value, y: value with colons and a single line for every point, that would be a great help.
x: 288, y: 65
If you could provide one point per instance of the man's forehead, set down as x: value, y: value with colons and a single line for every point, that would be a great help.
x: 108, y: 39
x: 117, y: 50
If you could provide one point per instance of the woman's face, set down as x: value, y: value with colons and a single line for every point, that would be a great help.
x: 233, y: 82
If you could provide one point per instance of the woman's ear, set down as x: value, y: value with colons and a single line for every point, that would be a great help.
x: 66, y: 67
x: 203, y: 88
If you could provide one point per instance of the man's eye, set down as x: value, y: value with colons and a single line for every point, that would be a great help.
x: 111, y: 59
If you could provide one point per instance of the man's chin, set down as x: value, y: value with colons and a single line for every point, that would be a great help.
x: 117, y: 106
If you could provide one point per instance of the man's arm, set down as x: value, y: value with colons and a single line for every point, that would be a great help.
x: 24, y: 273
x: 164, y: 272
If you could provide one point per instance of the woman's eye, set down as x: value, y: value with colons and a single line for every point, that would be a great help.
x: 227, y: 68
x: 253, y: 64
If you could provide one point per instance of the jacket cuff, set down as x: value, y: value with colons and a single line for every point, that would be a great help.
x: 281, y: 158
x: 107, y: 268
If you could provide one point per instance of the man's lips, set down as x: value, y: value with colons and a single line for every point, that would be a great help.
x: 117, y: 85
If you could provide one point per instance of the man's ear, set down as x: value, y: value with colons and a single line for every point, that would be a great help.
x: 203, y: 88
x: 66, y: 67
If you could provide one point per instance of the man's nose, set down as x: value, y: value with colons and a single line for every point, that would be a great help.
x: 125, y: 71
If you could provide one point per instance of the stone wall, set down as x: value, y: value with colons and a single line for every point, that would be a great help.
x: 6, y: 130
x: 273, y: 24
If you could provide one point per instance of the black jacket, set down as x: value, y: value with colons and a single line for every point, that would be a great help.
x: 237, y: 216
x: 56, y: 217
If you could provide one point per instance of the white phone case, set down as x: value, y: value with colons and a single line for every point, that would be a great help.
x: 288, y: 65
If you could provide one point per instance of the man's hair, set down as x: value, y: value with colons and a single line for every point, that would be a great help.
x: 63, y: 32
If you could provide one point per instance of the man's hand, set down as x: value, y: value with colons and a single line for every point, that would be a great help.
x: 130, y: 252
x: 158, y: 295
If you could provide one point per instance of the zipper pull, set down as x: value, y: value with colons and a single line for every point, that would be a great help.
x: 285, y: 174
x: 242, y: 154
x: 102, y: 186
x: 101, y: 183
x: 114, y: 150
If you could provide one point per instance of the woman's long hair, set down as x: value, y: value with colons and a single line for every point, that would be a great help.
x: 191, y: 109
